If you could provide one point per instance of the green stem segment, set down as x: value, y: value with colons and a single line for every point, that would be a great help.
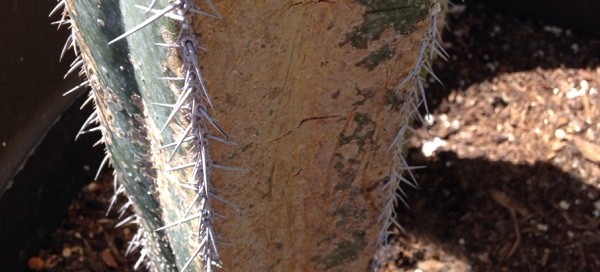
x: 125, y: 78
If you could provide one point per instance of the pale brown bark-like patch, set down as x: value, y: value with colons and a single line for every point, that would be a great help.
x: 313, y: 129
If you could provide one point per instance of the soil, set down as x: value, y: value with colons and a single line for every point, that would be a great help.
x: 88, y: 239
x: 513, y: 183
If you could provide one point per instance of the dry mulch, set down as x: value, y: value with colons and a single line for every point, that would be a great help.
x: 513, y: 185
x: 87, y: 239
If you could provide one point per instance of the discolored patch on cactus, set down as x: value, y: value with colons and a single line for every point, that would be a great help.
x: 375, y: 58
x: 363, y: 133
x: 393, y: 100
x: 346, y: 250
x: 335, y: 94
x: 347, y: 176
x: 385, y: 14
x: 366, y: 95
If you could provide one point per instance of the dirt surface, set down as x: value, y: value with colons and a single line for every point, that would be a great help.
x: 513, y: 186
x: 88, y: 240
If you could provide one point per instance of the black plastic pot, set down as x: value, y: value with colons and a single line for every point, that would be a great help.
x: 583, y: 15
x: 41, y: 167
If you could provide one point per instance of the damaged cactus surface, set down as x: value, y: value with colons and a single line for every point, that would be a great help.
x: 256, y: 136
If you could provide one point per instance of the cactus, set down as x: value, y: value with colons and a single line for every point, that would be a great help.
x: 279, y: 146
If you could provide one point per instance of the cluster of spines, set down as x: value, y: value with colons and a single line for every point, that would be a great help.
x: 92, y: 124
x: 413, y: 89
x: 194, y: 100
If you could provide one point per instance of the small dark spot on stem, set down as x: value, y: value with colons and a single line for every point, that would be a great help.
x: 335, y: 94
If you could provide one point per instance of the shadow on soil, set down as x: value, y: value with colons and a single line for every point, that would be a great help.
x: 476, y: 207
x: 494, y: 42
x: 491, y: 213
